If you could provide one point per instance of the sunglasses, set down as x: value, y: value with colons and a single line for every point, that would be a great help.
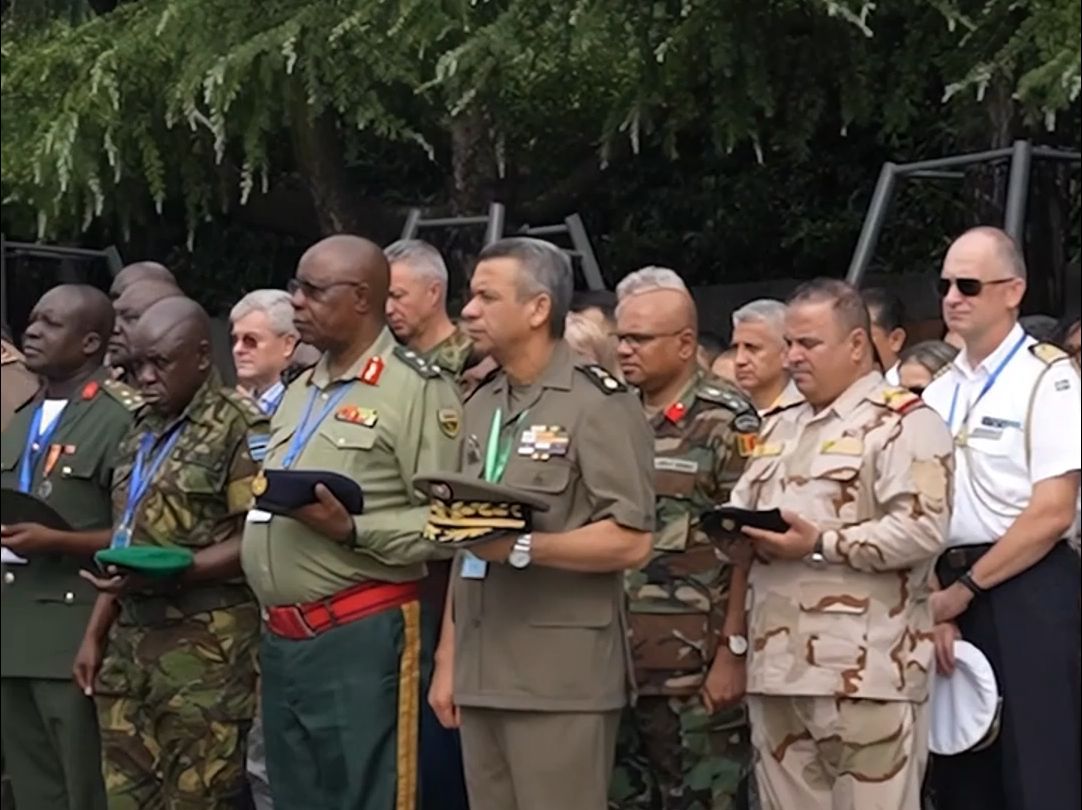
x: 969, y: 287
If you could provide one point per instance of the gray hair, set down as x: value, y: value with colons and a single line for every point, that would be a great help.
x: 650, y: 278
x: 763, y: 310
x: 545, y: 270
x: 423, y: 258
x: 932, y: 354
x: 276, y: 304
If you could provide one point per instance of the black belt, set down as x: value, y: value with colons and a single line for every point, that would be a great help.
x: 961, y: 558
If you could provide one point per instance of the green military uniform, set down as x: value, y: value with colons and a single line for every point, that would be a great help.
x: 672, y: 754
x: 17, y: 383
x: 176, y: 693
x: 341, y: 707
x: 540, y: 653
x: 454, y: 354
x: 50, y: 731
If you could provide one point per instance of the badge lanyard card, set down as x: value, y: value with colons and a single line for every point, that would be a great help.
x: 497, y: 454
x: 141, y: 477
x: 961, y: 437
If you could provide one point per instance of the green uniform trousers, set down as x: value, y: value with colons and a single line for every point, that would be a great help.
x: 51, y: 745
x: 341, y: 714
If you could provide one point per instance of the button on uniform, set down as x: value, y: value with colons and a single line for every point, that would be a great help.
x: 9, y: 577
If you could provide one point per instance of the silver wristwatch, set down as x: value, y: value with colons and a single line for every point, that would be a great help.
x: 737, y: 644
x: 816, y: 559
x: 520, y: 551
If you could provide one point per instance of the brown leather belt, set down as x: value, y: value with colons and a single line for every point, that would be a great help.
x: 310, y: 619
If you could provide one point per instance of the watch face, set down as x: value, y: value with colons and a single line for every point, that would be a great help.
x: 518, y: 558
x: 738, y: 645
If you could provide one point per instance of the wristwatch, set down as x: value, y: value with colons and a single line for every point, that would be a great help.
x: 737, y: 644
x: 520, y: 551
x: 816, y: 558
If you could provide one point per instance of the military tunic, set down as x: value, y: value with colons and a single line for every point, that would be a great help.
x: 841, y: 654
x: 50, y: 729
x: 341, y: 729
x: 540, y: 653
x: 672, y: 753
x: 17, y: 383
x: 176, y: 692
x: 454, y: 354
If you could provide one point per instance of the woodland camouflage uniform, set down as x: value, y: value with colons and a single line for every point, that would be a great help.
x: 671, y: 753
x: 176, y: 693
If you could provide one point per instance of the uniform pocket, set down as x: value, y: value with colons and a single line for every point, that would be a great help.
x: 834, y: 623
x: 672, y: 642
x: 546, y: 477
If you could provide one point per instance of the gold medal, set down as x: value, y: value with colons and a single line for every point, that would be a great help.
x: 259, y: 485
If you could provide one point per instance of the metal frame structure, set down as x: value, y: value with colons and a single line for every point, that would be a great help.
x: 1021, y: 155
x: 110, y: 255
x: 573, y: 227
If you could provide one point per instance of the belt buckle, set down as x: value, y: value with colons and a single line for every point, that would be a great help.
x: 328, y: 605
x: 300, y: 626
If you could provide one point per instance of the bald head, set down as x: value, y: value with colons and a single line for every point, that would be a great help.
x: 171, y: 353
x: 177, y: 317
x: 68, y: 331
x: 991, y: 248
x: 669, y: 310
x: 89, y: 306
x: 136, y: 299
x: 657, y: 336
x: 354, y: 259
x: 140, y: 271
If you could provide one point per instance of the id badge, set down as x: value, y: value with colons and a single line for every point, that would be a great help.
x: 473, y: 567
x: 258, y: 516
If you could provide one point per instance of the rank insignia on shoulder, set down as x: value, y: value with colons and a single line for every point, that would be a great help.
x: 746, y: 443
x: 416, y: 362
x: 602, y: 379
x: 257, y: 445
x: 450, y: 421
x: 124, y: 394
x: 901, y: 400
x: 90, y: 390
x: 747, y: 422
x: 1047, y: 352
x: 365, y: 417
x: 372, y: 371
x: 766, y: 450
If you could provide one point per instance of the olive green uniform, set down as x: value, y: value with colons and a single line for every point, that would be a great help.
x: 541, y: 655
x: 176, y: 692
x: 454, y: 354
x: 17, y: 383
x: 50, y: 730
x: 341, y: 709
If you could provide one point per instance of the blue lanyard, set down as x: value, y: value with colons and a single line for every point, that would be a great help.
x: 271, y: 405
x: 987, y: 385
x: 141, y: 477
x: 35, y: 446
x: 307, y: 426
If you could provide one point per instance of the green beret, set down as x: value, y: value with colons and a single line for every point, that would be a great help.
x: 153, y: 561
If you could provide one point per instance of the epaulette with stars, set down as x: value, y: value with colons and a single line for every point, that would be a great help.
x: 1048, y: 353
x: 417, y: 362
x: 121, y: 392
x: 745, y: 419
x: 600, y: 377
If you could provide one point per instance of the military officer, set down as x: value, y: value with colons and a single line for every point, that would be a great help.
x: 684, y: 744
x: 759, y: 360
x: 840, y: 625
x: 17, y: 383
x: 341, y: 729
x: 176, y: 692
x: 62, y: 449
x: 417, y: 307
x: 1009, y: 581
x: 534, y: 659
x: 138, y: 272
x: 135, y: 299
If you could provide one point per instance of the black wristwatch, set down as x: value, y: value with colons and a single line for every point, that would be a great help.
x: 967, y: 582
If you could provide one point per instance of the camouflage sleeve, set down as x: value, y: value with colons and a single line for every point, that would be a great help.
x: 248, y: 447
x: 430, y: 441
x: 616, y: 456
x: 913, y: 478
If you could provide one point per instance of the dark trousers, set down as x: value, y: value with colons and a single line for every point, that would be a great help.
x: 1029, y: 629
x: 443, y: 784
x: 341, y: 714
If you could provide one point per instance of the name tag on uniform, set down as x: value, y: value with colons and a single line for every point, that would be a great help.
x: 843, y: 446
x: 997, y: 424
x: 473, y: 567
x: 258, y: 516
x: 679, y: 465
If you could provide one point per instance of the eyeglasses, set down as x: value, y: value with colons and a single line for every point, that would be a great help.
x: 315, y: 291
x: 969, y: 287
x: 636, y: 341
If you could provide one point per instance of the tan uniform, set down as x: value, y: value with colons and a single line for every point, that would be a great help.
x: 17, y: 383
x: 841, y: 654
x: 541, y: 653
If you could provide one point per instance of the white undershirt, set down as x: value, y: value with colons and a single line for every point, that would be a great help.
x: 50, y: 412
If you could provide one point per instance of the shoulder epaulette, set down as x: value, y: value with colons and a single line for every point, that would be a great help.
x: 1048, y: 353
x: 416, y: 362
x: 124, y: 394
x: 245, y: 404
x: 945, y: 369
x: 901, y: 400
x: 600, y: 377
x: 9, y: 354
x: 746, y: 418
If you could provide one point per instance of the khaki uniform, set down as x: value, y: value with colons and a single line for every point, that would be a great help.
x: 176, y: 692
x: 340, y: 708
x: 541, y: 667
x: 672, y: 753
x: 841, y: 655
x: 50, y: 728
x: 17, y: 383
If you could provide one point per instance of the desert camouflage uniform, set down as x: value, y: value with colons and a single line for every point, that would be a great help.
x: 176, y: 693
x: 671, y: 753
x: 838, y: 670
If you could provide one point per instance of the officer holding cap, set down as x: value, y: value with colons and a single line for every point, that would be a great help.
x: 1009, y: 581
x: 60, y: 448
x: 839, y: 624
x: 533, y: 657
x: 342, y: 659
